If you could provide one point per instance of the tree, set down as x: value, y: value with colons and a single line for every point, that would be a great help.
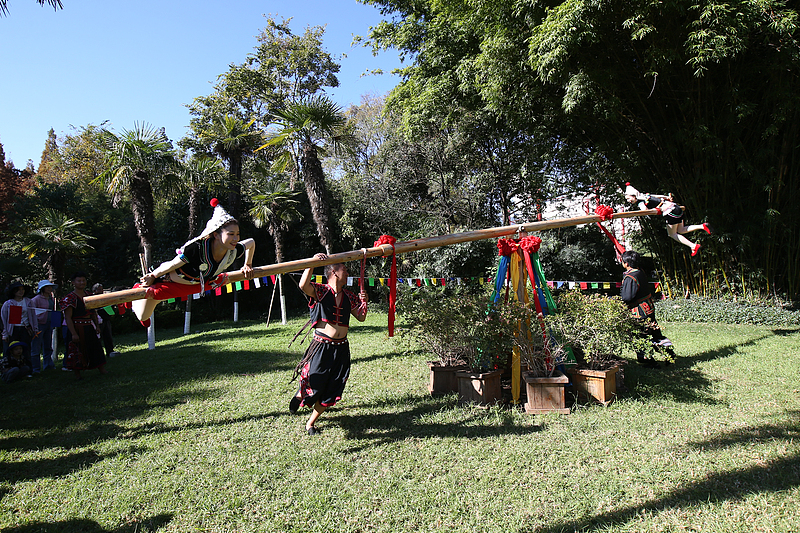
x: 13, y: 183
x: 307, y: 130
x: 78, y: 157
x: 133, y: 159
x: 275, y: 206
x: 56, y: 5
x: 232, y: 139
x: 284, y: 67
x: 194, y: 175
x: 699, y: 100
x: 55, y: 236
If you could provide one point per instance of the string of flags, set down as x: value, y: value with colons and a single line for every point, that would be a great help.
x: 266, y: 281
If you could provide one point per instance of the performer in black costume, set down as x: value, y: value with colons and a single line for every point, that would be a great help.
x: 673, y: 215
x: 325, y: 366
x: 638, y: 294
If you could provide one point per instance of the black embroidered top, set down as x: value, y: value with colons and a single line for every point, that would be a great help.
x: 328, y: 311
x: 199, y: 260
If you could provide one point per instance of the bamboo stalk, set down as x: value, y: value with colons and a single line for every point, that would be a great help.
x: 385, y: 250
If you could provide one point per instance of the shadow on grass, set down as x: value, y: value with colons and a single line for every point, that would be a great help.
x: 682, y: 382
x: 389, y: 426
x: 778, y: 475
x: 79, y: 525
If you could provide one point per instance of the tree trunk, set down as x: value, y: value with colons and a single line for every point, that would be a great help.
x: 194, y: 212
x: 235, y: 186
x: 142, y: 206
x: 314, y: 179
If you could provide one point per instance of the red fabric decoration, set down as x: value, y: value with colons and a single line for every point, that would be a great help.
x: 604, y: 211
x: 214, y: 202
x: 388, y: 239
x: 530, y: 244
x: 506, y: 247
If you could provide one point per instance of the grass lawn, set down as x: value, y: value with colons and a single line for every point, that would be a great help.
x: 196, y: 436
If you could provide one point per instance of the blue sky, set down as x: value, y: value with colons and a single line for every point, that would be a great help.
x: 129, y: 62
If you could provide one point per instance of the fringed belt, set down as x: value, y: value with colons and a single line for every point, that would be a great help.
x: 327, y: 340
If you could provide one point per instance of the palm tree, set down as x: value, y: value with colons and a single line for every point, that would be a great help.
x: 133, y: 160
x: 274, y: 206
x: 196, y: 174
x: 308, y: 130
x: 232, y: 139
x: 56, y: 236
x: 56, y: 4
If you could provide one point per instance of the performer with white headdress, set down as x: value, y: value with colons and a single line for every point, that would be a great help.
x: 199, y: 265
x: 672, y: 212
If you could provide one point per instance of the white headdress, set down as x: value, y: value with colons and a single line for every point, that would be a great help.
x: 219, y: 219
x: 631, y: 191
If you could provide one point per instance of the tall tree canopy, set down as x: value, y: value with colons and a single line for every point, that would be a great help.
x: 699, y: 99
x: 55, y: 4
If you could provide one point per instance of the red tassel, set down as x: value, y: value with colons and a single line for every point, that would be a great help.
x: 214, y: 202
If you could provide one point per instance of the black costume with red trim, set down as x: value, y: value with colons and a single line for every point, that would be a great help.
x: 325, y: 366
x: 85, y: 352
x: 637, y: 293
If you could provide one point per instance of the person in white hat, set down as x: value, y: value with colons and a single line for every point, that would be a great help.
x: 42, y: 349
x: 672, y: 213
x: 199, y: 265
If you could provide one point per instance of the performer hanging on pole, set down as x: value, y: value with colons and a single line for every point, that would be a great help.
x: 325, y: 366
x: 199, y: 265
x: 672, y: 212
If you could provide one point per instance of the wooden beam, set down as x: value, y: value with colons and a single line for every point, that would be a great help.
x: 385, y: 250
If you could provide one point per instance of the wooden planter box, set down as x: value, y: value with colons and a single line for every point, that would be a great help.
x: 482, y: 389
x: 597, y: 385
x: 443, y: 378
x: 546, y: 395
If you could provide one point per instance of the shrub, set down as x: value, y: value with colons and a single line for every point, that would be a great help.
x: 700, y: 309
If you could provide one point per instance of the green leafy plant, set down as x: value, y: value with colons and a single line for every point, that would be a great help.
x: 598, y: 328
x: 459, y: 329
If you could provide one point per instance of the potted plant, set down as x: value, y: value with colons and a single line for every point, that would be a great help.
x: 598, y: 328
x: 434, y: 324
x: 541, y: 356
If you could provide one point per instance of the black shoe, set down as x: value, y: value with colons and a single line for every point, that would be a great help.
x: 294, y: 405
x: 313, y: 430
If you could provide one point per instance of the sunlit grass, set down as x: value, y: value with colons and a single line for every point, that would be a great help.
x: 196, y: 436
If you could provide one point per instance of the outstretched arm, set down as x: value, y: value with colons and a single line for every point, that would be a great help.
x: 249, y: 250
x: 164, y: 268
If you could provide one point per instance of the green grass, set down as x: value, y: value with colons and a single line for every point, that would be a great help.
x: 196, y: 436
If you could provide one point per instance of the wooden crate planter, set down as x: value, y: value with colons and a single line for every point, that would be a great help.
x: 597, y: 385
x: 479, y: 388
x: 546, y: 395
x: 443, y: 378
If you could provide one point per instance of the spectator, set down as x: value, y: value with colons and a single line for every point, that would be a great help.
x: 18, y: 317
x: 44, y: 304
x: 13, y: 366
x: 83, y: 347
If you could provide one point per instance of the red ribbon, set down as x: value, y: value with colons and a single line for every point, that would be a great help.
x: 506, y: 247
x: 604, y: 211
x: 530, y: 244
x: 388, y: 239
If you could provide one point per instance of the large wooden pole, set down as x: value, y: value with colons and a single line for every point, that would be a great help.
x: 384, y: 250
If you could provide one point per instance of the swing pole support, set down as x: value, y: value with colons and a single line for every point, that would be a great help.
x: 384, y: 250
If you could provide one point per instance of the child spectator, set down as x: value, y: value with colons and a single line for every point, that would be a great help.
x: 14, y: 366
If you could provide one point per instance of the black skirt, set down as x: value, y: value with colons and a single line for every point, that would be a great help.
x: 324, y: 371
